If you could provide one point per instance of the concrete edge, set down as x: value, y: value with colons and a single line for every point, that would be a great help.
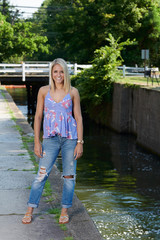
x: 81, y: 225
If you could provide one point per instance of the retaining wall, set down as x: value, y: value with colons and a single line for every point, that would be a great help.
x: 137, y: 111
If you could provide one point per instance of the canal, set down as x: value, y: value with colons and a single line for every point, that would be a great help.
x: 117, y: 181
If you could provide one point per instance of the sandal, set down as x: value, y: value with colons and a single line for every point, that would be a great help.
x: 27, y: 219
x: 64, y: 219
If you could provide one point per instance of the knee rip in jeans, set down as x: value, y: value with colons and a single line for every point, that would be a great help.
x: 72, y: 177
x: 42, y: 173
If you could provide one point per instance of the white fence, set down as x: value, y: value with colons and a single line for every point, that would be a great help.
x: 131, y: 71
x: 43, y: 69
x: 36, y: 70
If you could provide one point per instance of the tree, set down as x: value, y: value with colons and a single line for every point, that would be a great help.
x: 76, y: 28
x: 18, y: 40
x: 71, y: 27
x: 12, y: 15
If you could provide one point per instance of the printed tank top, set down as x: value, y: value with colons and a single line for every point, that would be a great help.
x: 58, y: 118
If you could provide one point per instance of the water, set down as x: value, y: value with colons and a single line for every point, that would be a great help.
x: 117, y: 181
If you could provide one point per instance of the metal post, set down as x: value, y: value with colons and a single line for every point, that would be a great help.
x: 75, y: 68
x: 23, y: 72
x: 124, y: 67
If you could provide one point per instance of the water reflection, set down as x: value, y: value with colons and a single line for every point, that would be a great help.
x: 118, y: 182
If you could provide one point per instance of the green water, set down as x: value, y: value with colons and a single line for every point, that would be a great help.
x: 117, y: 181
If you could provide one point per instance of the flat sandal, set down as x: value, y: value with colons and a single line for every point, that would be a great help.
x: 64, y: 219
x: 27, y: 216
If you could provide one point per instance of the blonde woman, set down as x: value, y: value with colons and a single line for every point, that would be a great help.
x: 61, y: 132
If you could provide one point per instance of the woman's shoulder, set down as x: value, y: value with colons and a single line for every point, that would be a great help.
x: 44, y: 90
x: 74, y: 93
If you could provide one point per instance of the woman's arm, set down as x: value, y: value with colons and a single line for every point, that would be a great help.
x: 78, y: 117
x: 37, y: 122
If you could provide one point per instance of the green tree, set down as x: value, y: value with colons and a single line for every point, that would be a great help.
x: 18, y: 40
x: 76, y: 28
x: 12, y: 14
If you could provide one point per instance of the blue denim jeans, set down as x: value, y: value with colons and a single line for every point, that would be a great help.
x: 51, y: 148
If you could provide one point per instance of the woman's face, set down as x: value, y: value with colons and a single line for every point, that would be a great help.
x: 58, y: 74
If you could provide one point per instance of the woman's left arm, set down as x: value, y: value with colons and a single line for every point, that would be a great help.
x: 78, y: 152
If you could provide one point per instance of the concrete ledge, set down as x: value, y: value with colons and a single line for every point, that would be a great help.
x: 81, y: 226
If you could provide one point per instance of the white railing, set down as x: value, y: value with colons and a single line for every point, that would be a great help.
x: 43, y: 69
x: 131, y: 71
x: 37, y: 70
x: 138, y: 71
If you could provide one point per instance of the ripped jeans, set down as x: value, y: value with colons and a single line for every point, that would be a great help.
x: 51, y: 148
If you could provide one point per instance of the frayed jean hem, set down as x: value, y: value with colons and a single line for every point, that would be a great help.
x: 66, y: 206
x: 32, y: 205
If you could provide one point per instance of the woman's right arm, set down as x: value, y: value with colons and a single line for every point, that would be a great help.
x: 37, y: 122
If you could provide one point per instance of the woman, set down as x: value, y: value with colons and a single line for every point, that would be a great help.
x: 61, y: 132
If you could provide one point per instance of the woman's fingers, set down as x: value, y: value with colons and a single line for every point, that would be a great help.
x: 38, y: 151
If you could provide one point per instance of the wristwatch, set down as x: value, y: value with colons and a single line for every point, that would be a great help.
x: 80, y: 141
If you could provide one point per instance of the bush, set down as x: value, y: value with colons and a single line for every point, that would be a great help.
x: 96, y: 84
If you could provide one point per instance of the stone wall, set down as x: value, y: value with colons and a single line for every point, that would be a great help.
x: 137, y: 111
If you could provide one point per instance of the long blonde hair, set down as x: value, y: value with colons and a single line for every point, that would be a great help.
x: 67, y: 82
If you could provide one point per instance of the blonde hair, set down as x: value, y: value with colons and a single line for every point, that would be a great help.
x: 67, y: 82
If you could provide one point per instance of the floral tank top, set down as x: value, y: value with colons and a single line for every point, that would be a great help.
x: 58, y: 118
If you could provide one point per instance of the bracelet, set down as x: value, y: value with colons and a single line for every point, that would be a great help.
x: 80, y: 141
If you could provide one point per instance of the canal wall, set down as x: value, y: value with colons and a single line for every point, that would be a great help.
x: 136, y: 110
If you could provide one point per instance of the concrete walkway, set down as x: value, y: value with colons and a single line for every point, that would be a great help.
x: 17, y: 174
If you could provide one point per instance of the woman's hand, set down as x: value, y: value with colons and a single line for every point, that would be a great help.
x: 38, y: 149
x: 78, y: 152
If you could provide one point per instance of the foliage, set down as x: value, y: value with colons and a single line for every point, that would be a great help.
x: 76, y: 28
x: 96, y: 84
x: 12, y: 15
x: 18, y: 40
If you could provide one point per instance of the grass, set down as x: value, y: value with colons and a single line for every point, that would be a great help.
x: 57, y: 213
x: 21, y: 154
x: 137, y: 80
x: 27, y: 139
x: 68, y: 238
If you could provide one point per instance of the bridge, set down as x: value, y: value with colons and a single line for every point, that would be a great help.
x: 33, y: 76
x: 32, y: 73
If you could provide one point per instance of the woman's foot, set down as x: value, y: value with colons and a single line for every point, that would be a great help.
x: 27, y: 219
x: 64, y: 218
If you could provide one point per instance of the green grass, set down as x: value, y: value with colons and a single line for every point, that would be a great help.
x: 51, y: 199
x: 141, y: 81
x: 68, y: 238
x: 21, y: 154
x: 55, y: 211
x: 27, y: 139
